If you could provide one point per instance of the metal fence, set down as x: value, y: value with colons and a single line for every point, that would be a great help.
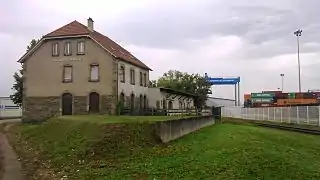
x: 306, y: 115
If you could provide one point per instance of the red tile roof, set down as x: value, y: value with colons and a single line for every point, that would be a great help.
x: 75, y: 28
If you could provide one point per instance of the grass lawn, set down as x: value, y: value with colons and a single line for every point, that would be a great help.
x: 89, y: 149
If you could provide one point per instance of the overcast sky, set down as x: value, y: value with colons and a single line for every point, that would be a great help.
x: 246, y: 38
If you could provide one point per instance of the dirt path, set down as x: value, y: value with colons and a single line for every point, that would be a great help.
x: 10, y: 163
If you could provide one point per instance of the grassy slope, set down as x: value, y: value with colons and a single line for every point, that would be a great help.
x: 224, y: 151
x: 1, y: 155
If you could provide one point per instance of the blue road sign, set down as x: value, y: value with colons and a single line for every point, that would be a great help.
x: 223, y: 81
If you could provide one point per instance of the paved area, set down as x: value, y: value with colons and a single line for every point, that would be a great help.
x: 12, y: 166
x: 10, y: 120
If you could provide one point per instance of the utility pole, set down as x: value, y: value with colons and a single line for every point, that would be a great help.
x: 298, y: 34
x: 282, y: 76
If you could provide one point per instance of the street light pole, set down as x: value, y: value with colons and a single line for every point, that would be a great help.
x: 282, y: 76
x: 298, y: 34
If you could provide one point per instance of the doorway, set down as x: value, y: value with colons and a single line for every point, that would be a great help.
x: 94, y: 102
x: 66, y: 104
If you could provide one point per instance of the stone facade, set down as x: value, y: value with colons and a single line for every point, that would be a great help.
x: 107, y: 104
x: 40, y: 108
x: 80, y: 105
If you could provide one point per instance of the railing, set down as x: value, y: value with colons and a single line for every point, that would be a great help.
x: 306, y: 115
x: 165, y: 112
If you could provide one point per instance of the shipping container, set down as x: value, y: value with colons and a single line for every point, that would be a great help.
x: 281, y: 96
x: 262, y: 105
x: 291, y: 95
x: 292, y: 102
x: 247, y: 96
x: 309, y: 96
x: 261, y: 100
x: 262, y: 95
x: 274, y: 92
x: 299, y: 95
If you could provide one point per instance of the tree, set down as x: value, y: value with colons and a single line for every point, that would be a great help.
x: 17, y: 87
x: 190, y: 83
x: 153, y: 83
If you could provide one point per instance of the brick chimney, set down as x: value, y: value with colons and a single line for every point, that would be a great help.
x: 90, y: 24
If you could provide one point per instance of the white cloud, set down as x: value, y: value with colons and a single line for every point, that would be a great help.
x: 222, y: 38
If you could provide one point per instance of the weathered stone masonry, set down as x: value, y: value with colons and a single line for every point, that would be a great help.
x: 39, y: 108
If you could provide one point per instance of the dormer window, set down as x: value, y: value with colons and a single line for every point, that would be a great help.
x: 80, y: 47
x: 55, y: 49
x: 67, y: 49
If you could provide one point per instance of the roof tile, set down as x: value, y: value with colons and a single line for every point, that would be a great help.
x: 76, y: 28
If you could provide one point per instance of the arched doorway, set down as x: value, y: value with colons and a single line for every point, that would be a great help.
x: 141, y: 102
x: 66, y: 104
x: 164, y: 104
x: 145, y: 105
x: 94, y: 102
x: 170, y: 105
x: 122, y: 99
x: 132, y: 102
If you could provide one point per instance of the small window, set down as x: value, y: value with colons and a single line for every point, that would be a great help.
x: 67, y: 49
x: 141, y: 80
x: 132, y: 77
x: 122, y: 74
x: 81, y: 47
x: 55, y: 49
x: 94, y: 72
x: 67, y: 73
x: 145, y: 80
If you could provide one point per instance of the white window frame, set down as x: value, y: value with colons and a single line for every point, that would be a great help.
x: 67, y: 49
x: 94, y: 76
x: 132, y: 76
x: 55, y: 49
x: 67, y: 77
x: 80, y: 47
x: 122, y: 74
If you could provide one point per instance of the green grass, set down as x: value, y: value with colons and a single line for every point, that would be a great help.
x: 130, y: 151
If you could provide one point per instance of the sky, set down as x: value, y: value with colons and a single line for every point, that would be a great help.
x: 224, y: 38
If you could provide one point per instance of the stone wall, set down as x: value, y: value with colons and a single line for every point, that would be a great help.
x: 107, y: 105
x: 174, y: 129
x: 39, y: 108
x: 80, y: 105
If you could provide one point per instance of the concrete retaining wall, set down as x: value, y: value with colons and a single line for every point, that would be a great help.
x: 174, y: 129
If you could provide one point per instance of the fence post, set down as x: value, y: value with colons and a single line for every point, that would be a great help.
x: 289, y: 112
x: 254, y: 114
x: 263, y: 114
x: 318, y: 115
x: 258, y: 113
x: 274, y: 113
x: 268, y: 113
x: 281, y: 114
x: 297, y: 109
x: 308, y: 115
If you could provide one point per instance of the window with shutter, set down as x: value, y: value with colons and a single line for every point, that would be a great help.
x: 94, y: 72
x: 67, y: 49
x: 67, y: 73
x: 132, y: 76
x: 122, y: 73
x: 141, y: 80
x: 145, y: 80
x: 81, y: 47
x: 55, y: 49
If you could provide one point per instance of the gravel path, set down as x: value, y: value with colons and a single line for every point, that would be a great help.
x: 10, y: 164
